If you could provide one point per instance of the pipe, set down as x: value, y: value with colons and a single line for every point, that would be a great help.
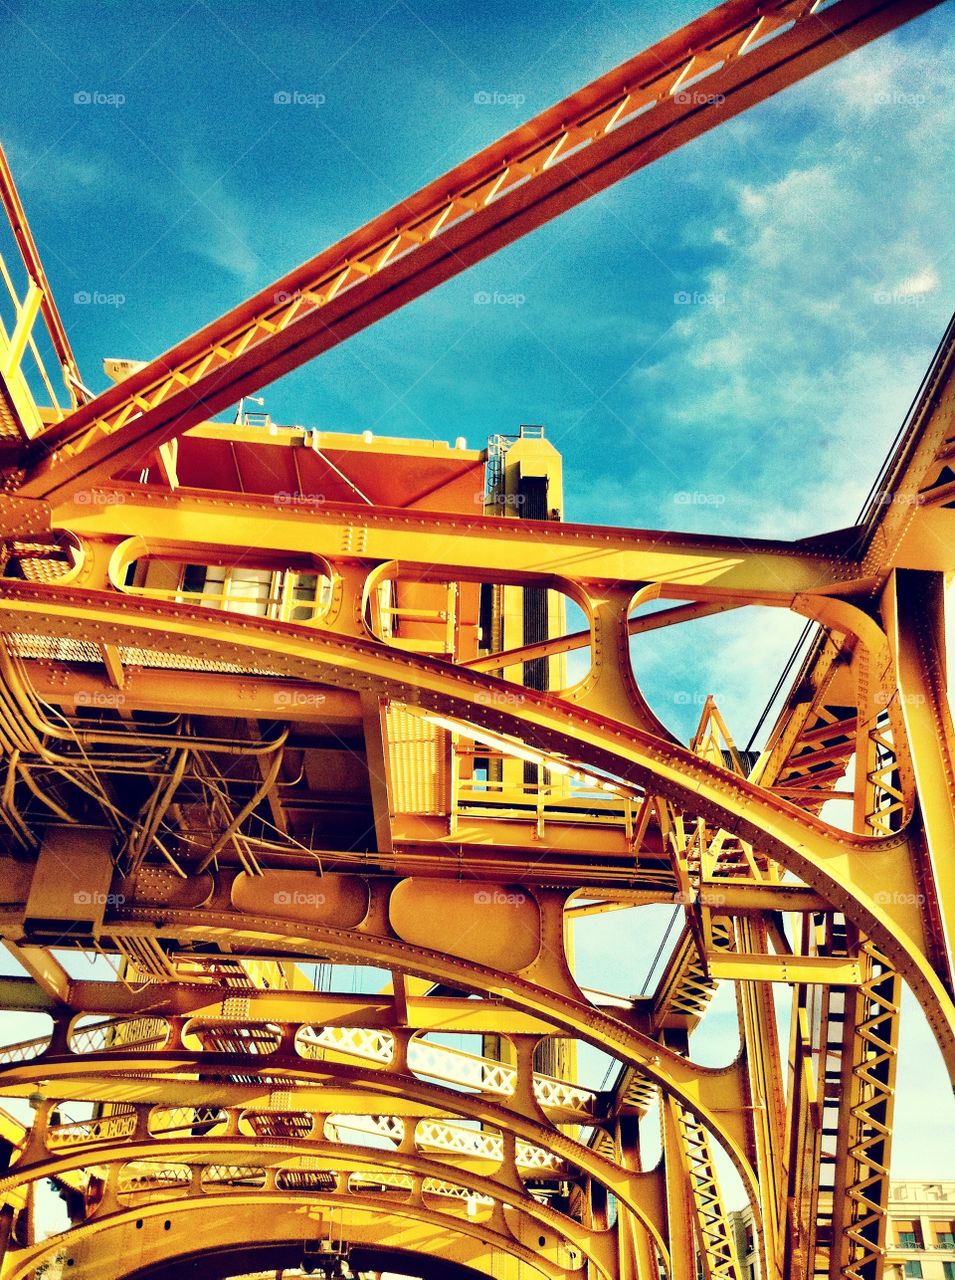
x: 28, y: 705
x: 159, y: 804
x: 249, y: 807
x: 50, y: 803
x: 11, y: 813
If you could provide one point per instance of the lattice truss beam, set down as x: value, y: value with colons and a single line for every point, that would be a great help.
x: 244, y: 738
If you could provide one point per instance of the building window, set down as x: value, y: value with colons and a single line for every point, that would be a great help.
x: 908, y: 1240
x: 261, y: 593
x: 945, y: 1239
x: 305, y: 589
x: 913, y: 1268
x: 948, y: 1270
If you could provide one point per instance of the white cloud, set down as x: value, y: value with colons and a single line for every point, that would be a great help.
x: 893, y: 73
x: 736, y: 657
x: 217, y: 226
x: 925, y: 281
x: 62, y: 173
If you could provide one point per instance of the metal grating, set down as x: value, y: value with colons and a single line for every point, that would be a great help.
x: 9, y: 428
x: 419, y: 758
x: 54, y: 649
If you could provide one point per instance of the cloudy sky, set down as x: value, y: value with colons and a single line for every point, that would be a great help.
x: 727, y: 342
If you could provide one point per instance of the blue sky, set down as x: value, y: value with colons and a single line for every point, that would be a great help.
x: 812, y: 235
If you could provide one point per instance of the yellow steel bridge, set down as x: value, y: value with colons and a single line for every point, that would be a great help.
x: 275, y: 703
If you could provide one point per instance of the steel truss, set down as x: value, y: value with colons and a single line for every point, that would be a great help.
x: 247, y: 736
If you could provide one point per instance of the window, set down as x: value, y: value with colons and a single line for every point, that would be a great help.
x: 913, y: 1268
x: 948, y: 1270
x: 194, y: 579
x: 611, y: 1209
x: 260, y: 593
x: 304, y: 596
x: 246, y: 590
x: 908, y: 1240
x: 945, y: 1239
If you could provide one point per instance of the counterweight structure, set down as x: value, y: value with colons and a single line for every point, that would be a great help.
x: 276, y: 703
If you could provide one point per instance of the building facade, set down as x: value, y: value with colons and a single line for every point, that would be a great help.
x: 921, y: 1231
x: 745, y: 1239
